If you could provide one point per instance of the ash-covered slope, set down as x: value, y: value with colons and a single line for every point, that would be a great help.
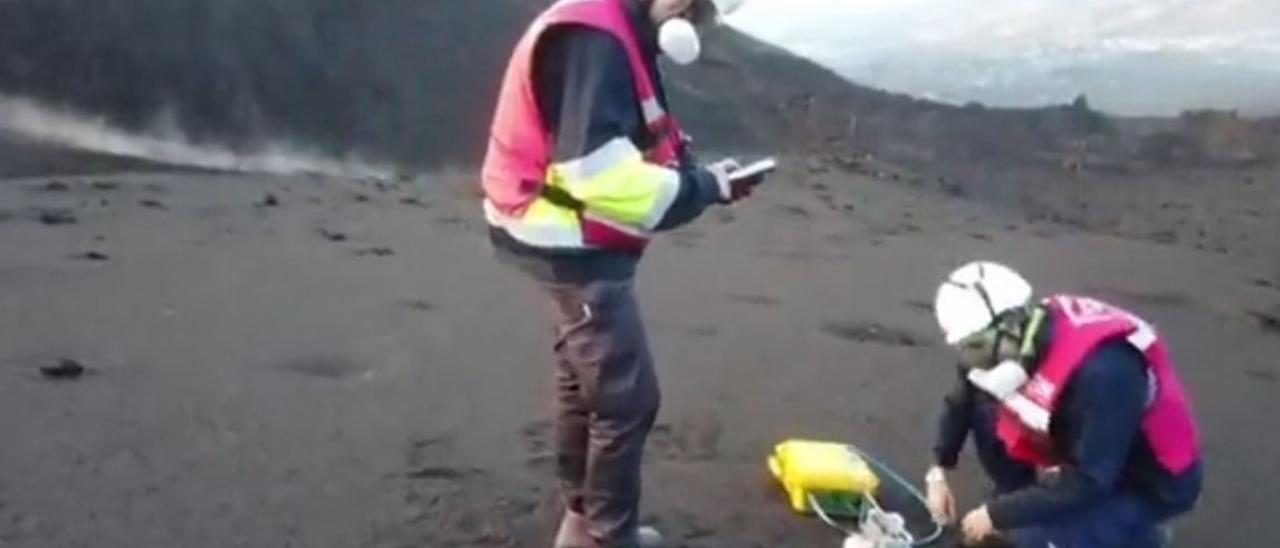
x: 412, y: 82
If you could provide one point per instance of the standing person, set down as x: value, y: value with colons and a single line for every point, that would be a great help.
x: 585, y: 164
x: 1076, y: 414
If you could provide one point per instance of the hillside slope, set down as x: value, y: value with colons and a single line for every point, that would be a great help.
x: 407, y: 81
x: 413, y: 83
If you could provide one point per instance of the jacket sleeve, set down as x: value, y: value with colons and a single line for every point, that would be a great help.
x: 586, y: 95
x: 955, y: 422
x: 1106, y: 400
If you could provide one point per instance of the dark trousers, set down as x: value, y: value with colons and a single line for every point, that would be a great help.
x: 606, y: 401
x: 1119, y: 521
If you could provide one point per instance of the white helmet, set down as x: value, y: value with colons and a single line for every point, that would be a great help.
x: 974, y: 295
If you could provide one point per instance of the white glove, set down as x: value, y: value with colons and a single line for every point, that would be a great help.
x: 977, y: 526
x: 723, y: 168
x: 942, y: 504
x: 729, y: 192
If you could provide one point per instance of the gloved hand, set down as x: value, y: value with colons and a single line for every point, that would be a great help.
x: 730, y: 191
x: 977, y: 526
x: 942, y: 504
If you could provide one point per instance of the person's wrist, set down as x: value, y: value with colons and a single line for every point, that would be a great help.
x: 935, y: 475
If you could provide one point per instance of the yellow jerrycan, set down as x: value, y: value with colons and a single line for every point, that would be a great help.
x: 821, y: 470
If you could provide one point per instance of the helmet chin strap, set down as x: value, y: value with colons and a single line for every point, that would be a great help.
x: 1031, y: 334
x: 1001, y: 332
x: 981, y: 290
x: 1026, y: 337
x: 1006, y: 376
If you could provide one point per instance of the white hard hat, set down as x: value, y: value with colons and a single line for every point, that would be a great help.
x: 974, y: 295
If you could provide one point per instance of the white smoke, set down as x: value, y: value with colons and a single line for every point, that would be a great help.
x: 60, y: 126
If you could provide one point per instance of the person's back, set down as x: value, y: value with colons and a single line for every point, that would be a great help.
x: 1097, y: 429
x: 1115, y: 373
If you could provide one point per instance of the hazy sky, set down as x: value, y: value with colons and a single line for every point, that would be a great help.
x: 1025, y: 51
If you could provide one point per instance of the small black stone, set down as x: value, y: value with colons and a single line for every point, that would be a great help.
x: 418, y: 304
x: 1266, y: 321
x: 66, y: 368
x: 269, y: 200
x: 375, y: 251
x: 332, y: 235
x: 54, y: 217
x: 93, y: 256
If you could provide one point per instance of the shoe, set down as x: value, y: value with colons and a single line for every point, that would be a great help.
x: 573, y: 534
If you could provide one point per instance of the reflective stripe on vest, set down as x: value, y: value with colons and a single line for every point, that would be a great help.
x: 622, y: 198
x: 617, y: 185
x: 654, y: 114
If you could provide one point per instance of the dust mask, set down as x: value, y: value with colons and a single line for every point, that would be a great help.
x: 679, y: 41
x: 1001, y: 381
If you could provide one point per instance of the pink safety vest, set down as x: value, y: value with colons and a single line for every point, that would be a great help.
x: 1080, y: 325
x: 520, y: 146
